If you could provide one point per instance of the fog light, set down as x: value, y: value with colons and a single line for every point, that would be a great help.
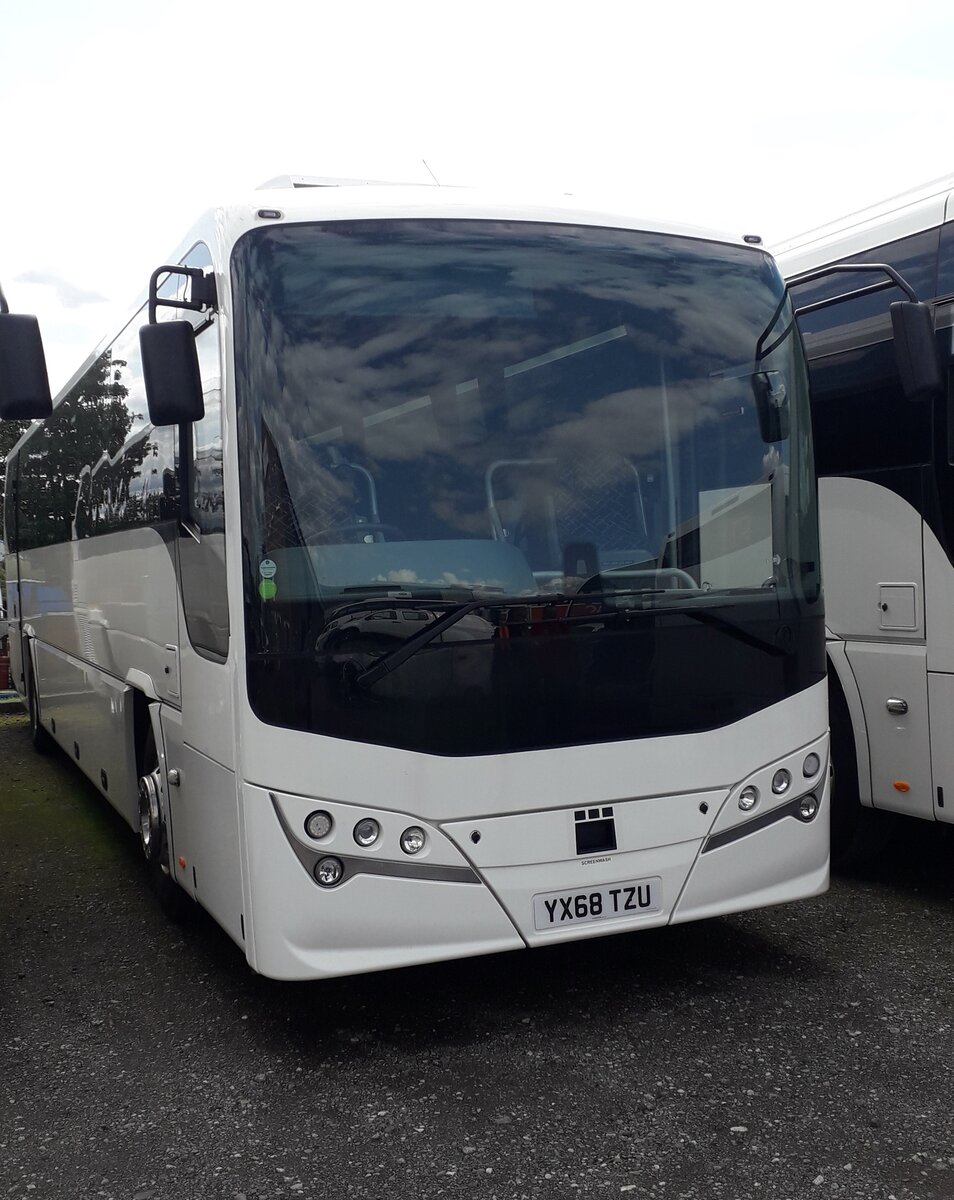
x: 781, y: 782
x: 748, y: 798
x: 366, y: 832
x: 412, y: 840
x: 318, y: 825
x: 807, y: 807
x: 329, y: 871
x: 811, y: 766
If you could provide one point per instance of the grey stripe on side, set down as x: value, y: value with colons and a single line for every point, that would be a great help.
x: 789, y: 809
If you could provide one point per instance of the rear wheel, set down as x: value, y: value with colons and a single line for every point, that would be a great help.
x: 153, y: 834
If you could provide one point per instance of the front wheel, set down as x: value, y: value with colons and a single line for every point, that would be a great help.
x: 154, y: 835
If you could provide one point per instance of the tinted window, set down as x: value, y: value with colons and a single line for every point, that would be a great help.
x: 861, y: 419
x: 504, y: 417
x: 866, y: 318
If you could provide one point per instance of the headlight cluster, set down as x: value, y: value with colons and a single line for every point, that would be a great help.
x: 781, y: 783
x: 329, y: 871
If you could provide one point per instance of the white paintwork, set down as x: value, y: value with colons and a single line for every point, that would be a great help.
x: 939, y: 593
x: 913, y: 211
x: 783, y: 860
x: 369, y: 923
x: 899, y: 746
x: 204, y: 824
x: 84, y: 709
x: 871, y: 539
x: 876, y: 550
x: 106, y: 622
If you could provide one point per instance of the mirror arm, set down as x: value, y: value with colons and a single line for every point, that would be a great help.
x: 202, y: 291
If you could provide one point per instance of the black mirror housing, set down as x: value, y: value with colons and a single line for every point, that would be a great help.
x: 24, y: 383
x: 170, y: 368
x: 915, y: 350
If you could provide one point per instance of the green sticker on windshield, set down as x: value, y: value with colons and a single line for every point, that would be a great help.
x: 268, y: 589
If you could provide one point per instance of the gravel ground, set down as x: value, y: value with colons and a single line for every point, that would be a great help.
x: 793, y: 1052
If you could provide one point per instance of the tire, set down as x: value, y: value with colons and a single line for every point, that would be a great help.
x: 42, y: 741
x: 859, y: 835
x: 174, y: 902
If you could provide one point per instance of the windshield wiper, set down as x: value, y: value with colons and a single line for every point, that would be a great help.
x: 393, y: 659
x: 417, y: 641
x: 707, y: 617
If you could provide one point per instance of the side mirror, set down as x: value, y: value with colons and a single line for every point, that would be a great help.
x: 915, y: 350
x: 771, y: 403
x: 170, y: 369
x: 24, y: 383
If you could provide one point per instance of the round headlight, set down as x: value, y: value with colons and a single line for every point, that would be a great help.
x: 807, y: 807
x: 811, y: 765
x: 318, y: 824
x: 366, y: 832
x: 781, y: 782
x: 412, y: 840
x: 748, y: 798
x: 329, y: 871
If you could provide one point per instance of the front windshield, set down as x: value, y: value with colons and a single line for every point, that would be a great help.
x: 445, y: 412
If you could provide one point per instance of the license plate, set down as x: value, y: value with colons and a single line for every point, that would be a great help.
x: 636, y: 897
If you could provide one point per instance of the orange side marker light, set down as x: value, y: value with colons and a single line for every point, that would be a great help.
x: 182, y: 860
x: 901, y: 786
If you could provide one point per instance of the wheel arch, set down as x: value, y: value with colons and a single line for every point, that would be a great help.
x: 841, y: 676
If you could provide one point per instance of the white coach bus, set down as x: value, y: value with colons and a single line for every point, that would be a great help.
x: 886, y: 488
x: 425, y: 575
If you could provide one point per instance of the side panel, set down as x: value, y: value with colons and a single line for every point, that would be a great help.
x: 883, y: 586
x: 110, y: 601
x: 204, y: 822
x: 207, y: 705
x: 939, y: 585
x: 90, y: 716
x: 871, y: 556
x: 899, y: 745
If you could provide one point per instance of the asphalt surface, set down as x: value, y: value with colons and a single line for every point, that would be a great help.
x: 803, y: 1051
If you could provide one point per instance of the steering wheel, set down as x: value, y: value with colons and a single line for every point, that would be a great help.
x: 354, y: 534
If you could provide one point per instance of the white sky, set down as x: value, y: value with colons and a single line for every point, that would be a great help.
x: 123, y: 120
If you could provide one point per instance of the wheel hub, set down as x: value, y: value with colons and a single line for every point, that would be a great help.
x: 150, y: 820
